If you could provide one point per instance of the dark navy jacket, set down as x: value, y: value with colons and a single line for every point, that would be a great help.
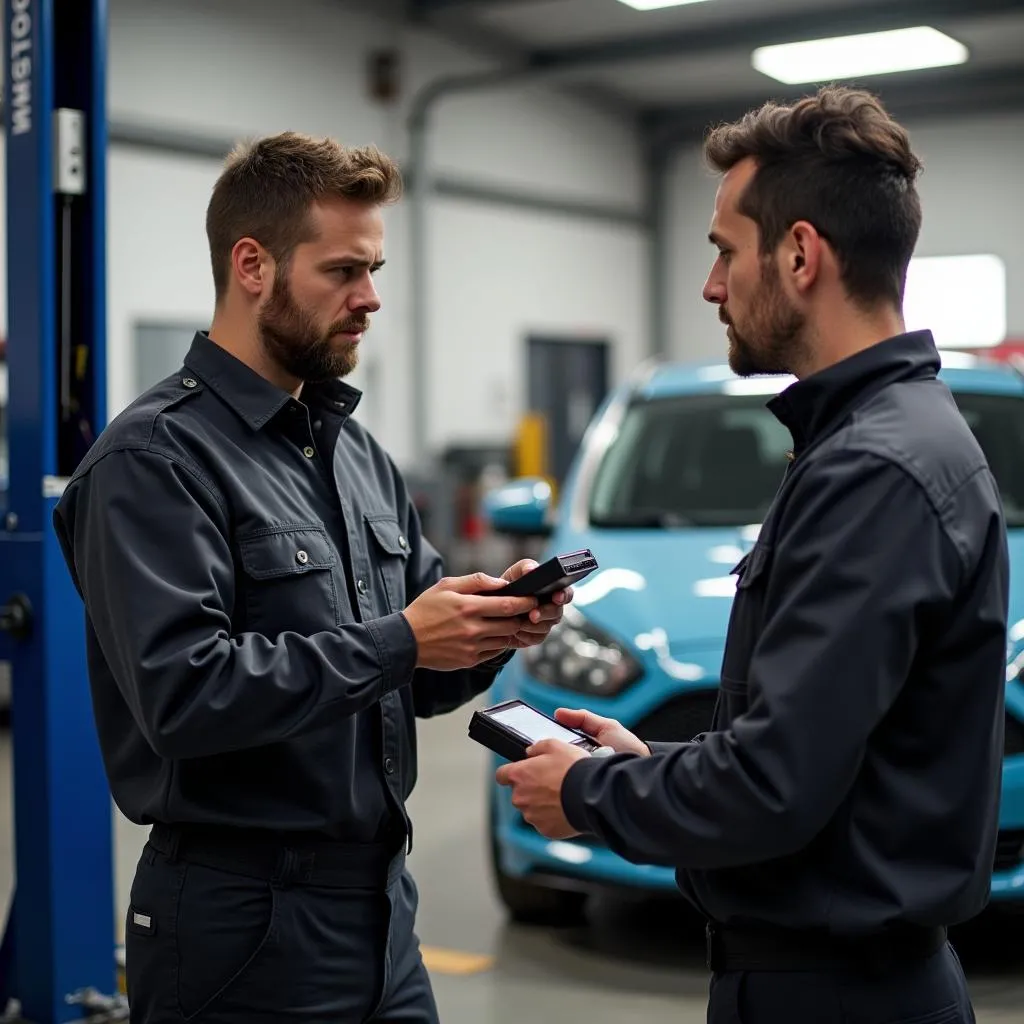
x: 244, y: 560
x: 851, y: 777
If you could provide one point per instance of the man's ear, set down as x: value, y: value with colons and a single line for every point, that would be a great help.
x: 252, y: 266
x: 802, y: 252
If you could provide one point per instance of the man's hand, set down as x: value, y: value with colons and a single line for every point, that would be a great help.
x: 455, y: 627
x: 542, y: 619
x: 537, y: 786
x: 606, y: 731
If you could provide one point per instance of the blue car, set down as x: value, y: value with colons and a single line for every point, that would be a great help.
x: 669, y: 487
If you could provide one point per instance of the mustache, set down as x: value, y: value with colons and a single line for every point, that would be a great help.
x: 354, y: 325
x: 723, y: 316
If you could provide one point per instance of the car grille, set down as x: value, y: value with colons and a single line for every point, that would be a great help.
x: 1014, y: 741
x: 1009, y: 850
x: 679, y: 719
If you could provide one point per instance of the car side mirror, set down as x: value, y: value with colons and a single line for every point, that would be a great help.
x: 522, y: 507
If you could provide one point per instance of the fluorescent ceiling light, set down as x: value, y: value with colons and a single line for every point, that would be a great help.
x: 874, y: 53
x: 657, y: 5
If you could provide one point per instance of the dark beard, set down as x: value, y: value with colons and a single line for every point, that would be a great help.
x: 776, y: 326
x: 292, y: 339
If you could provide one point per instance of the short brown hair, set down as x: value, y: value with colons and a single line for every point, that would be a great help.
x: 839, y: 161
x: 267, y: 187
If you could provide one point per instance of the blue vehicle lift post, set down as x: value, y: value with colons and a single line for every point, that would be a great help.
x: 60, y: 930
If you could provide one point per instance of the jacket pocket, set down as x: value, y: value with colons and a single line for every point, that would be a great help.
x: 752, y: 566
x: 391, y: 548
x: 747, y: 614
x: 288, y: 579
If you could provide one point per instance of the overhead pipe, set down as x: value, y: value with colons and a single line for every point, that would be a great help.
x: 422, y: 106
x: 421, y: 186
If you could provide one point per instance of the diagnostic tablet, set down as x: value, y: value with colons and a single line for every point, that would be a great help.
x: 512, y: 726
x: 555, y: 574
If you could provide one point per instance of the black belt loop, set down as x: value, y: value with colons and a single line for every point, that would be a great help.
x: 173, y: 845
x: 292, y: 867
x: 285, y: 872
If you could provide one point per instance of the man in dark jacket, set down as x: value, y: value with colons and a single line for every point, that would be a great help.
x: 841, y: 813
x: 266, y: 621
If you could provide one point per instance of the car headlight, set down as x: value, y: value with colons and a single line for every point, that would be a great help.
x: 578, y: 656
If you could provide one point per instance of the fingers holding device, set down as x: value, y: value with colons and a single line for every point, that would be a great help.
x: 510, y: 728
x: 557, y: 573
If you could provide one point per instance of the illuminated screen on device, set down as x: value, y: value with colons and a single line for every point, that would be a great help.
x: 533, y: 725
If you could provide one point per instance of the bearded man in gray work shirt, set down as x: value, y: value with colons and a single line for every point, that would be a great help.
x: 842, y: 811
x: 265, y: 621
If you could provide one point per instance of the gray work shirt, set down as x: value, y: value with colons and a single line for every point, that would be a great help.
x: 244, y: 558
x: 851, y: 777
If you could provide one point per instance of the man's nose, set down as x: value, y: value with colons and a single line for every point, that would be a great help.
x: 365, y: 299
x: 714, y: 289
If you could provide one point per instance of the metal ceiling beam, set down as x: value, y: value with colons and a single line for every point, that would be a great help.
x: 767, y: 29
x: 942, y: 93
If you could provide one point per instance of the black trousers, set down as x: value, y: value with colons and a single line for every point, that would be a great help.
x: 216, y: 947
x: 931, y: 991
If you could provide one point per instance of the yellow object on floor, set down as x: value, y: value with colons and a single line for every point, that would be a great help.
x: 453, y: 961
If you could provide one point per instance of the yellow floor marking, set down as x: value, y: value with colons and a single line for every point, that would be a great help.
x: 453, y: 961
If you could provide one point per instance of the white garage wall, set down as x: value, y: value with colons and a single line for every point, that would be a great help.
x: 231, y: 68
x: 583, y: 284
x: 970, y: 191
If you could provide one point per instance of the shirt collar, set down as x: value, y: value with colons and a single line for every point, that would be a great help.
x: 810, y: 406
x: 252, y: 397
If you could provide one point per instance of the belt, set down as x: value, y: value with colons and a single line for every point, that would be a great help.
x: 283, y: 861
x: 781, y: 949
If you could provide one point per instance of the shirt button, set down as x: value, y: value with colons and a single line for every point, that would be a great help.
x: 301, y: 557
x: 190, y: 382
x: 403, y: 543
x: 389, y: 766
x: 317, y: 425
x: 308, y: 452
x: 362, y: 587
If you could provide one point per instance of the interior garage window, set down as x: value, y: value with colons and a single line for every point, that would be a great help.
x: 159, y: 349
x: 961, y: 299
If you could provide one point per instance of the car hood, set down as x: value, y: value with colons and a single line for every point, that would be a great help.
x: 677, y: 584
x: 673, y: 584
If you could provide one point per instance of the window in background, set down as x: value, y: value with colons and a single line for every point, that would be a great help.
x: 160, y: 349
x: 961, y: 299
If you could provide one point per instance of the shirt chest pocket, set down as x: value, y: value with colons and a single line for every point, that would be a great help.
x: 288, y: 580
x: 747, y: 615
x: 389, y: 548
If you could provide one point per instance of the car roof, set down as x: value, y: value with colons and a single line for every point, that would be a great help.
x: 961, y: 371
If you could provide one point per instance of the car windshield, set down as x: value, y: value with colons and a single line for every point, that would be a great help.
x: 718, y: 459
x: 998, y: 424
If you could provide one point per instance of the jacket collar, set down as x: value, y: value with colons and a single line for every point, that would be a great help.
x: 253, y: 398
x: 812, y: 405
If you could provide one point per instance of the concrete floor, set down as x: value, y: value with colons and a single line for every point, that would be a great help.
x: 636, y: 961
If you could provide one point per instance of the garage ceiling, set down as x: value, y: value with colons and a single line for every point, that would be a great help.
x: 680, y: 67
